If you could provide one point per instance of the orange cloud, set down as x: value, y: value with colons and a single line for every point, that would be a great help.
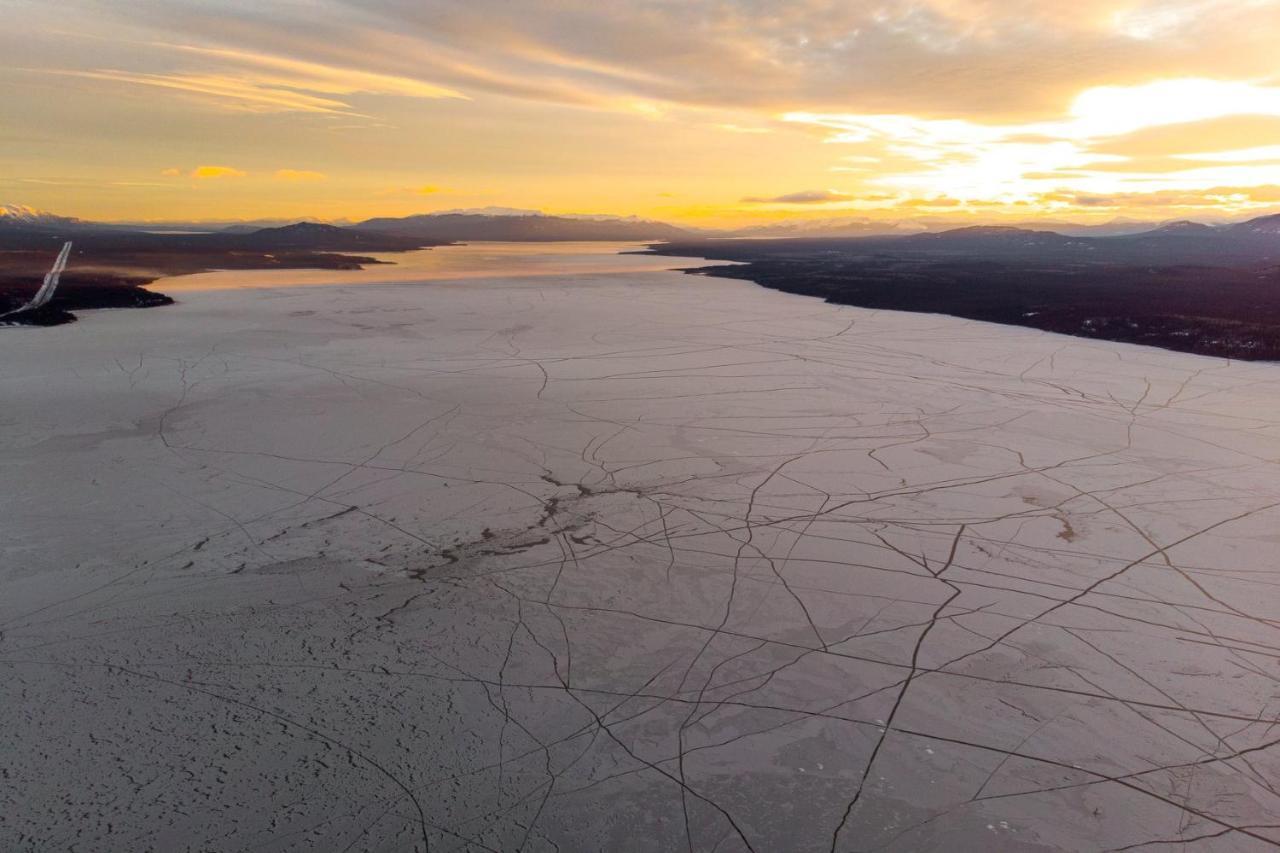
x: 171, y: 173
x: 940, y: 201
x: 211, y: 172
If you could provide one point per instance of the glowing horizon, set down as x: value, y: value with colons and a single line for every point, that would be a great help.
x: 702, y: 112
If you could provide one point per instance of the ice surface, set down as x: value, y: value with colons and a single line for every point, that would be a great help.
x: 621, y: 559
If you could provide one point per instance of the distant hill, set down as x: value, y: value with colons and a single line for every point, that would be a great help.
x: 23, y: 228
x: 311, y: 236
x: 1243, y: 244
x: 1119, y: 227
x: 864, y: 227
x: 1263, y: 226
x: 1181, y: 228
x: 522, y: 227
x: 1180, y: 242
x: 837, y: 227
x: 992, y: 237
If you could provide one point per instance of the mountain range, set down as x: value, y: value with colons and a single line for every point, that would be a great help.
x: 1243, y: 244
x: 521, y: 227
x: 506, y: 223
x: 1180, y: 241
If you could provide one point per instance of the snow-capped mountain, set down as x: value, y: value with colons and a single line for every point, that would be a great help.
x: 24, y: 216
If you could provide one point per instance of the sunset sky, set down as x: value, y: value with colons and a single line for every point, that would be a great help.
x: 708, y: 112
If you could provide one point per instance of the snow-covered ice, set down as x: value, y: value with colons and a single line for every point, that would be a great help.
x: 604, y: 557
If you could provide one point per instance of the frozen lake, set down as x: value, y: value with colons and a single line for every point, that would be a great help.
x: 545, y: 547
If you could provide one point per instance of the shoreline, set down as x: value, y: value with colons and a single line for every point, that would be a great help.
x: 134, y: 291
x: 1023, y: 297
x: 124, y: 287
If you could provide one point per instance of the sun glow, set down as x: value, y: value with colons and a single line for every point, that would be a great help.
x: 1035, y: 161
x: 664, y: 110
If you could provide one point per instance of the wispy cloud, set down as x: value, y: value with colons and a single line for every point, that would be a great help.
x: 248, y: 81
x: 280, y: 72
x: 971, y: 57
x: 226, y: 92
